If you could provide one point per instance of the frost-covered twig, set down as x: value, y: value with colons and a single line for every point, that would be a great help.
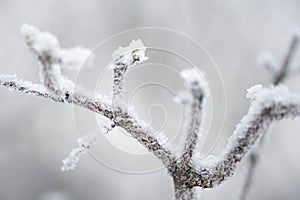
x: 279, y: 75
x: 59, y: 88
x: 46, y: 47
x: 267, y: 105
x: 195, y: 96
x: 271, y: 104
x: 85, y: 143
x: 193, y: 99
x: 282, y: 74
x: 123, y: 58
x: 98, y: 104
x: 188, y: 173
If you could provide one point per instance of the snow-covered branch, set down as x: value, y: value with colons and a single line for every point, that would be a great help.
x: 271, y: 104
x: 59, y: 88
x: 279, y: 74
x: 194, y: 100
x: 85, y: 143
x: 99, y: 104
x: 189, y: 172
x: 124, y: 58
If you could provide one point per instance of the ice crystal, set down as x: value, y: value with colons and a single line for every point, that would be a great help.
x: 85, y: 143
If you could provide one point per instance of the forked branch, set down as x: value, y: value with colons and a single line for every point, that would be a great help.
x: 188, y: 172
x: 279, y: 74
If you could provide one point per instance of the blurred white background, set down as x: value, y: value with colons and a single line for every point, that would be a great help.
x: 36, y: 134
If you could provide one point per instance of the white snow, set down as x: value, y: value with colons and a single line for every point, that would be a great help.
x: 130, y: 55
x: 40, y: 41
x: 162, y: 139
x: 134, y: 45
x: 195, y: 80
x: 45, y: 42
x: 253, y: 91
x: 74, y: 58
x: 264, y: 97
x: 85, y: 143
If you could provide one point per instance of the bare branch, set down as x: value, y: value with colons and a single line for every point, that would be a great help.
x: 282, y: 74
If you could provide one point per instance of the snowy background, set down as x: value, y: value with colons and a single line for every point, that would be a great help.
x: 35, y: 134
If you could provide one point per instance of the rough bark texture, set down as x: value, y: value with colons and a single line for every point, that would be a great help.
x: 188, y: 173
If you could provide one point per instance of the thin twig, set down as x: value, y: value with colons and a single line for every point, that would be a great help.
x: 254, y: 155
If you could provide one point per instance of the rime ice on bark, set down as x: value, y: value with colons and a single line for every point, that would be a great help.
x: 58, y: 88
x: 194, y: 99
x: 279, y: 74
x: 40, y: 41
x: 52, y: 57
x: 162, y: 139
x: 189, y: 172
x: 274, y: 103
x: 85, y: 143
x: 253, y: 91
x: 45, y: 42
x: 98, y: 103
x: 123, y: 58
x: 134, y: 52
x: 12, y: 82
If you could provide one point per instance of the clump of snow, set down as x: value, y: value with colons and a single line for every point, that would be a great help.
x: 195, y: 80
x: 264, y: 98
x: 275, y: 94
x: 44, y: 42
x: 253, y: 91
x: 40, y: 41
x: 130, y: 55
x: 200, y: 161
x: 134, y: 45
